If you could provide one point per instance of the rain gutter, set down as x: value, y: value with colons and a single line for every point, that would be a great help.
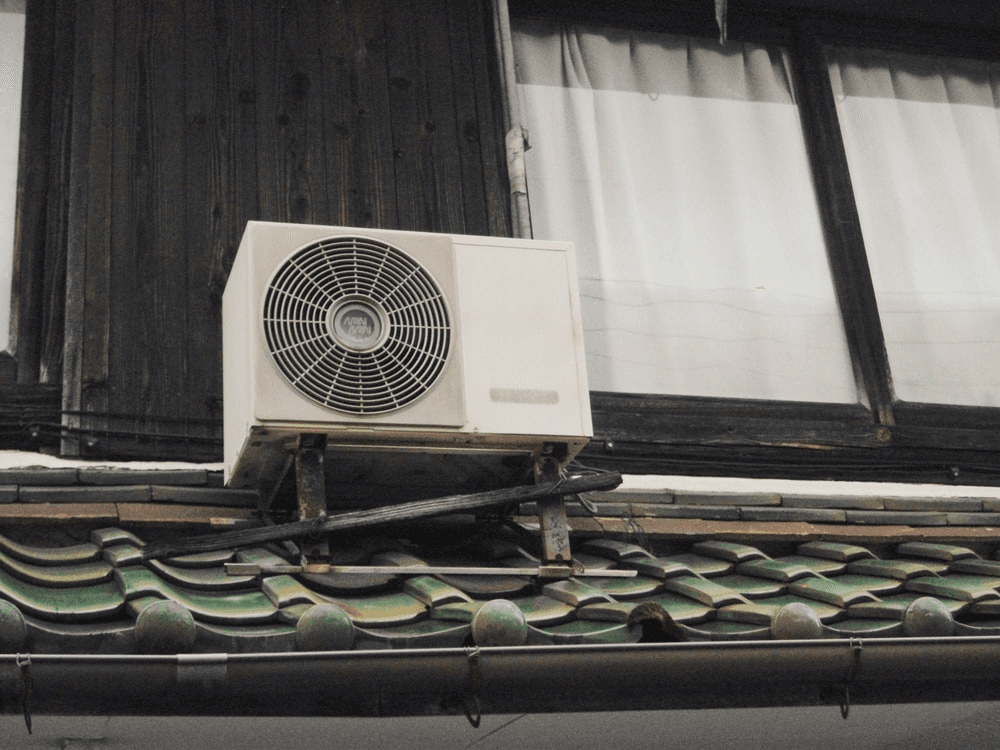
x: 533, y: 679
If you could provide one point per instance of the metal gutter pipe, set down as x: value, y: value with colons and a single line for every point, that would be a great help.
x: 533, y: 679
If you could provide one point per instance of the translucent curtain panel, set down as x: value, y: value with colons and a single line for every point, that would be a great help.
x: 678, y: 168
x: 11, y: 65
x: 923, y: 144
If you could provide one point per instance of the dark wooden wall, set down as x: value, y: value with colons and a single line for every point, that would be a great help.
x: 161, y: 126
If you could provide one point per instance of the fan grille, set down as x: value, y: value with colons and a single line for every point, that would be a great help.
x: 357, y: 325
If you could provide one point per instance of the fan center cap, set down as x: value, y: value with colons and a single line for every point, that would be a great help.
x: 358, y: 325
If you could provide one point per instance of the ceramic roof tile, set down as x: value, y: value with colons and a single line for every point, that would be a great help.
x: 658, y: 567
x: 784, y: 571
x: 541, y: 610
x: 968, y: 588
x: 902, y: 570
x: 826, y: 612
x: 838, y: 551
x: 246, y: 608
x: 733, y: 552
x: 62, y: 576
x: 589, y: 631
x: 574, y: 592
x: 703, y: 590
x: 207, y: 578
x: 892, y: 607
x: 830, y: 591
x: 69, y: 555
x: 934, y: 551
x: 432, y: 591
x: 821, y: 566
x: 700, y: 564
x: 614, y: 549
x: 382, y: 610
x: 75, y: 604
x: 752, y: 587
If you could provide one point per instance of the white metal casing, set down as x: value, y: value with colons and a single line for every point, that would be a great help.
x: 515, y: 379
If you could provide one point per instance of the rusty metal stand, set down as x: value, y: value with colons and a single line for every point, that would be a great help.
x: 552, y: 517
x: 310, y: 488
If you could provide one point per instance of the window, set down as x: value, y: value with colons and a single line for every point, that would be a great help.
x: 789, y: 244
x: 922, y: 136
x: 679, y: 169
x: 11, y: 65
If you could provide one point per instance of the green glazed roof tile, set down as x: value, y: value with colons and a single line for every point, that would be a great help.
x: 701, y: 564
x: 74, y: 604
x: 79, y: 574
x: 613, y: 549
x: 202, y: 559
x: 932, y: 551
x: 833, y: 551
x: 382, y: 610
x: 112, y: 535
x: 72, y: 555
x: 821, y: 566
x: 901, y: 570
x: 586, y: 631
x: 206, y: 579
x: 702, y: 590
x: 730, y: 551
x: 574, y: 592
x: 750, y: 614
x: 752, y: 588
x: 248, y: 608
x: 541, y: 610
x: 283, y: 591
x: 433, y: 592
x: 956, y: 586
x: 784, y: 571
x: 489, y: 587
x: 720, y: 630
x: 122, y: 554
x: 892, y: 607
x: 854, y: 627
x: 626, y: 588
x: 826, y: 613
x: 657, y: 567
x: 976, y: 566
x: 235, y: 639
x: 419, y: 634
x: 830, y: 591
x: 456, y: 611
x: 877, y: 585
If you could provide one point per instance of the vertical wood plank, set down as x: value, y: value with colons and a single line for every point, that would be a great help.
x: 488, y: 117
x: 291, y: 165
x: 95, y: 335
x: 360, y: 171
x: 428, y: 195
x: 32, y: 190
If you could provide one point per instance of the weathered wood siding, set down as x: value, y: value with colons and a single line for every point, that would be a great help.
x: 183, y: 119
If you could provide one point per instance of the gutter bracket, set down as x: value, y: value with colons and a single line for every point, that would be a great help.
x: 852, y: 670
x: 476, y: 678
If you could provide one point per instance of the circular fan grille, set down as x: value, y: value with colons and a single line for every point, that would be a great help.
x: 356, y: 325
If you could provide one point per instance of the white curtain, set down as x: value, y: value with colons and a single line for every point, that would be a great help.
x: 923, y: 144
x: 678, y: 168
x: 11, y: 64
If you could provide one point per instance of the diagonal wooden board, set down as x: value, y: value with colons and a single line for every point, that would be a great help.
x: 601, y: 481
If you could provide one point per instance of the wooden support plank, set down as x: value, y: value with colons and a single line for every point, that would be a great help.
x: 379, y: 516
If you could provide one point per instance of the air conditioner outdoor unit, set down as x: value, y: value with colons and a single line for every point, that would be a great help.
x: 401, y: 344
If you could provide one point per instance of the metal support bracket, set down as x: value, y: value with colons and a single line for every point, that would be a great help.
x: 310, y: 488
x: 552, y: 516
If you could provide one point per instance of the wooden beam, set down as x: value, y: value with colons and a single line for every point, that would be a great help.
x: 391, y: 514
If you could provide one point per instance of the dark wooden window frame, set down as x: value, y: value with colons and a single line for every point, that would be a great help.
x: 881, y: 438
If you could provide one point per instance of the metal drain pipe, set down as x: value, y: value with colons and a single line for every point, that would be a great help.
x: 532, y: 679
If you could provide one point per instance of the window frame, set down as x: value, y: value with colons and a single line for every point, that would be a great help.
x: 881, y: 438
